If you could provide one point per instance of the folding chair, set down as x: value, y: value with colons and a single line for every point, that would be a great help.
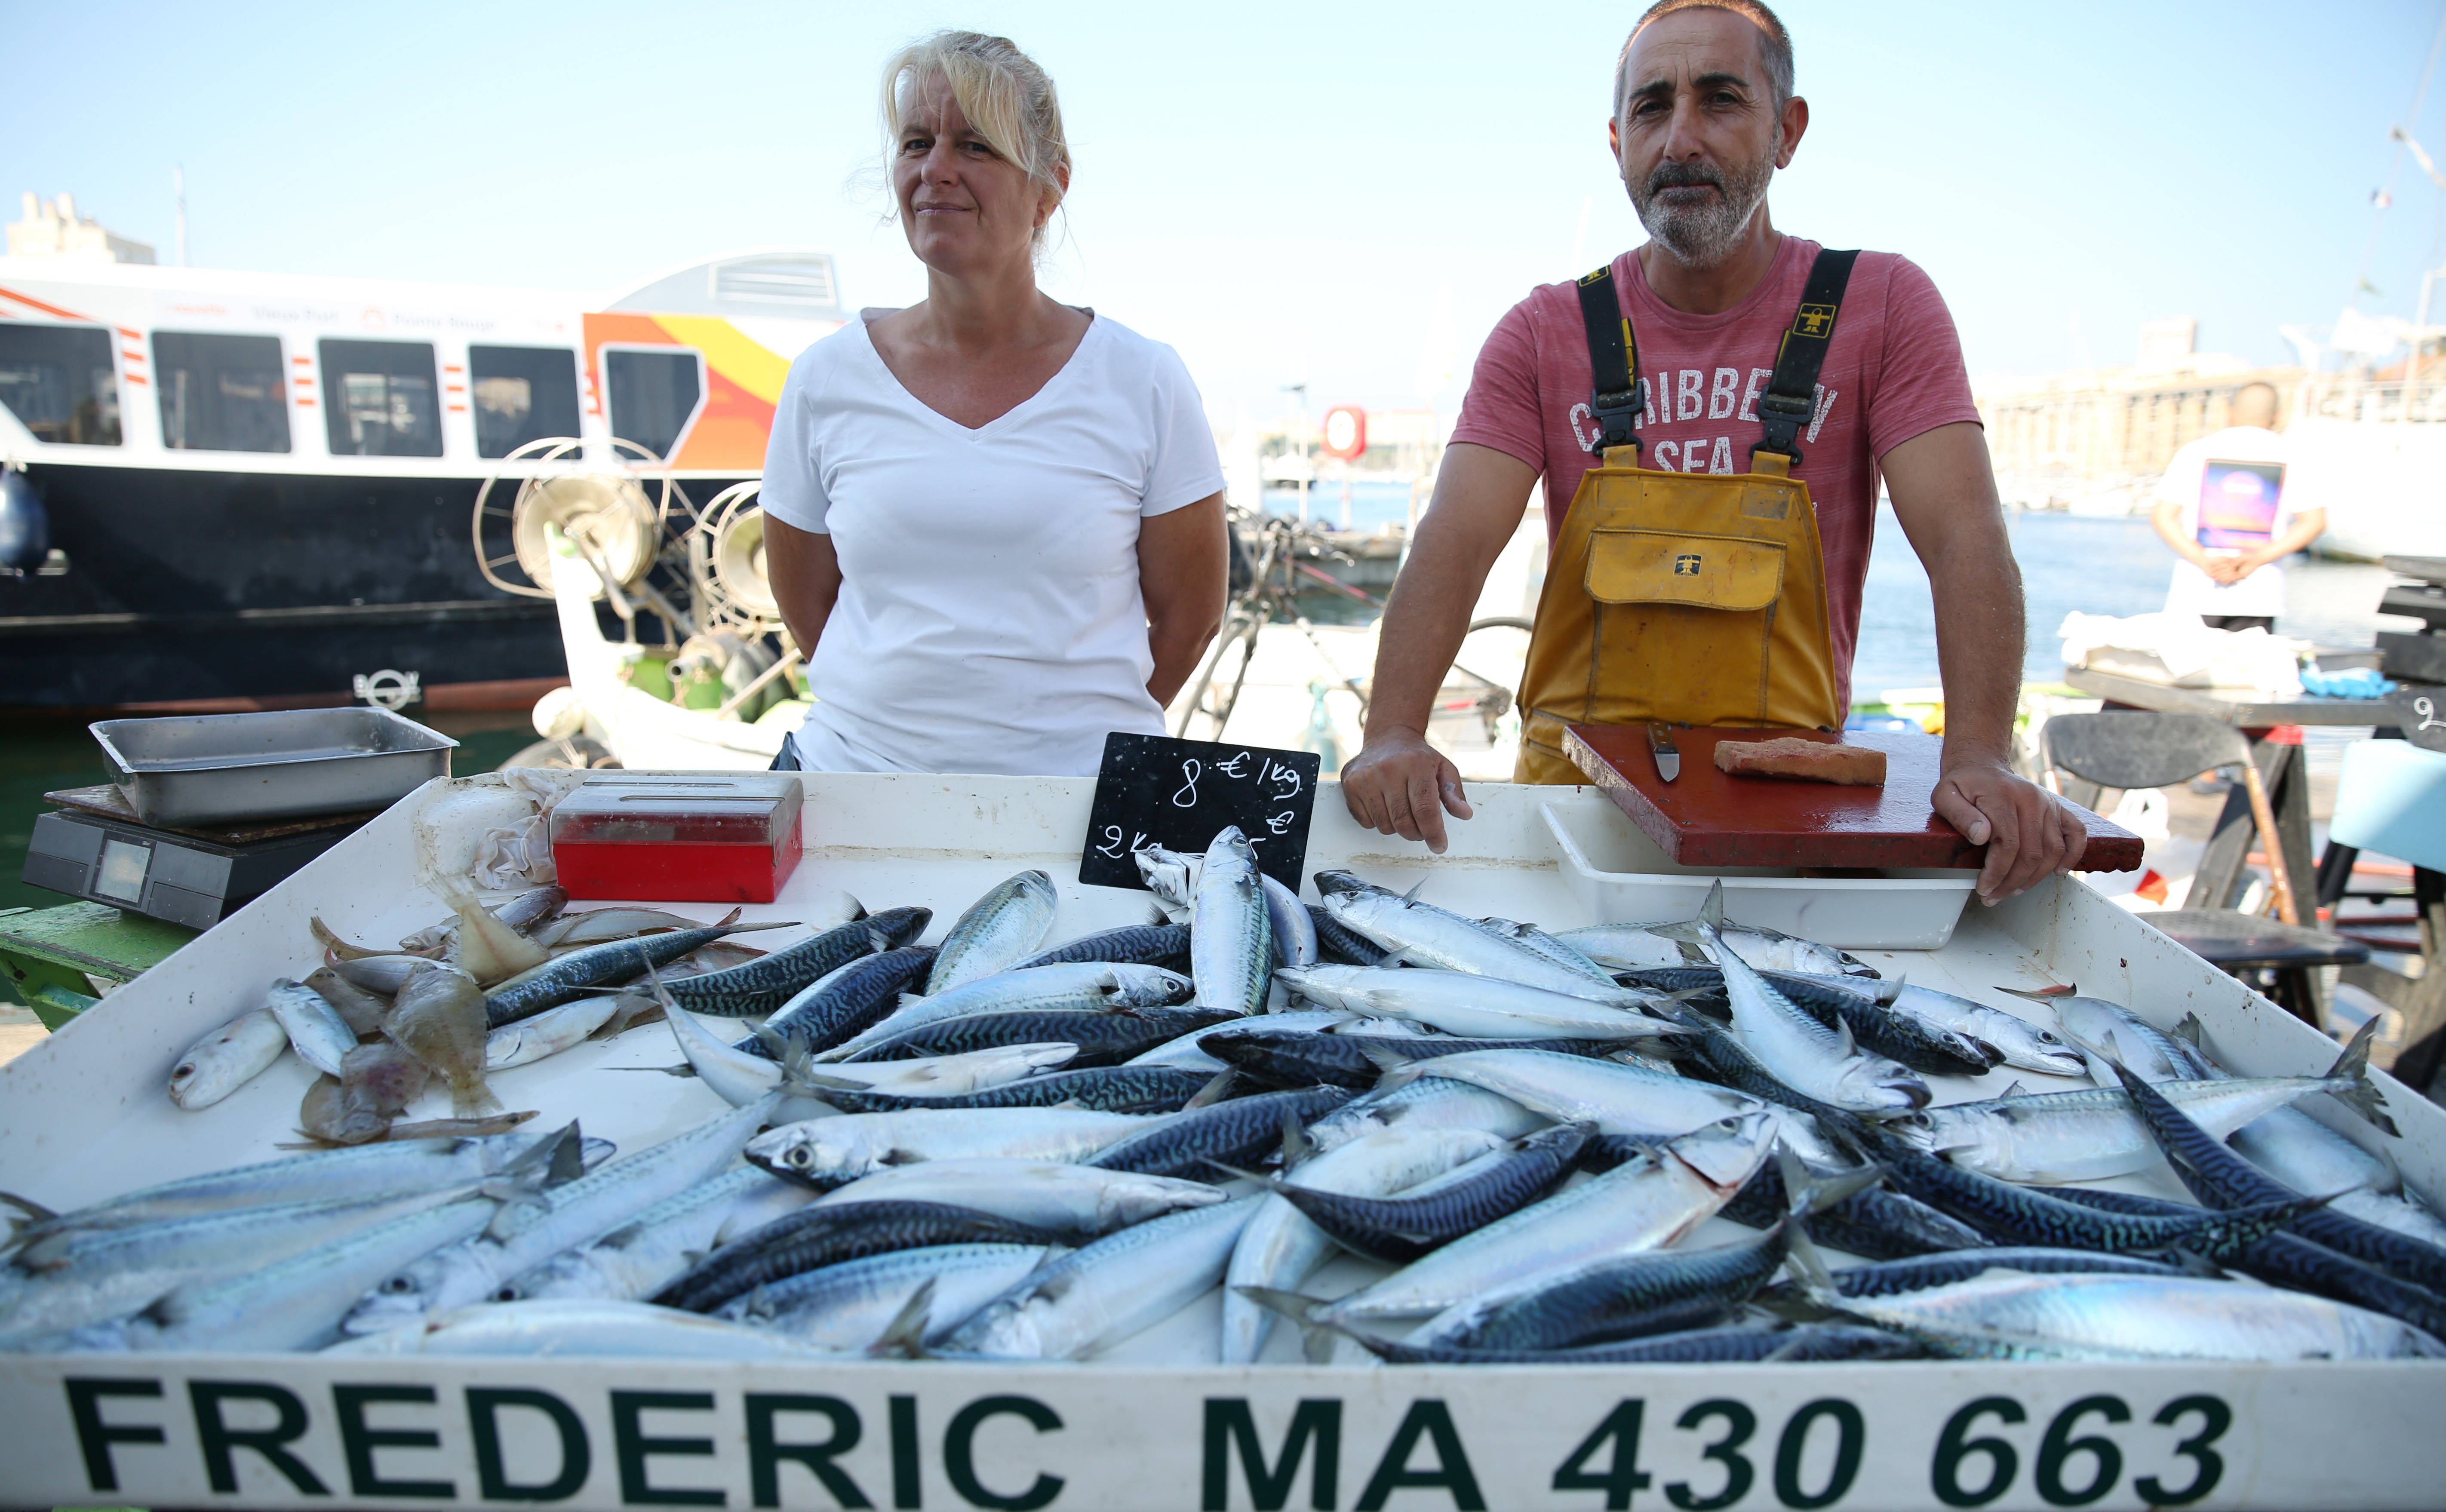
x: 2139, y: 748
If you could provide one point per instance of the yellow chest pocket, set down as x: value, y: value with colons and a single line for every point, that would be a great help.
x: 1729, y: 573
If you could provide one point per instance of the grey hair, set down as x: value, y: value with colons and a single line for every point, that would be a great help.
x: 1775, y: 43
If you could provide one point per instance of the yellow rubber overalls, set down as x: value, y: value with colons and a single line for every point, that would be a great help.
x: 1685, y: 598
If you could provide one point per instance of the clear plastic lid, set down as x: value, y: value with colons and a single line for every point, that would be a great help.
x: 749, y: 808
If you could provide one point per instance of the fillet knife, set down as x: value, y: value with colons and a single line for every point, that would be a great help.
x: 1669, y: 758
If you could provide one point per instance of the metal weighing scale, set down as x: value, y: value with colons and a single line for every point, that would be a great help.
x: 93, y: 847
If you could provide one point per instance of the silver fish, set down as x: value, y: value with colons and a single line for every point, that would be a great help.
x: 1627, y: 947
x: 1472, y: 1006
x: 549, y: 1032
x: 577, y: 1328
x: 1430, y: 1102
x: 1230, y: 940
x: 1097, y: 1297
x: 1287, y: 920
x: 602, y: 926
x: 828, y: 1151
x: 524, y: 1234
x: 1643, y: 1204
x: 1058, y: 1198
x: 2022, y: 1043
x: 2016, y: 1316
x: 227, y: 1059
x: 635, y: 1259
x: 293, y: 1303
x: 1760, y: 948
x: 1279, y: 1248
x: 1430, y: 936
x: 998, y: 931
x: 316, y: 1031
x: 1804, y: 1054
x: 850, y: 1307
x: 1618, y: 1099
x: 2098, y: 1028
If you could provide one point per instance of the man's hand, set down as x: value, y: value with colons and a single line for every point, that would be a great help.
x: 1401, y: 785
x: 2230, y: 568
x: 2030, y: 834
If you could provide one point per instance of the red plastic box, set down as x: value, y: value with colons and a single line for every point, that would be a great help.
x: 693, y: 838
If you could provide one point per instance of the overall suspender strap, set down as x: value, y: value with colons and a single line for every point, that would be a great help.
x: 1613, y: 359
x: 1790, y: 394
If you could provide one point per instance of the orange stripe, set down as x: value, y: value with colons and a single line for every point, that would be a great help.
x: 131, y: 356
x: 136, y: 377
x: 48, y: 309
x: 458, y: 410
x: 303, y: 362
x: 132, y: 335
x: 452, y: 367
x: 305, y: 403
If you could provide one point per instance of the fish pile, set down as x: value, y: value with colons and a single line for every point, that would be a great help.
x: 1405, y: 1131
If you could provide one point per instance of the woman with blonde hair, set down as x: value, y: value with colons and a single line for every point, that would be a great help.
x: 994, y: 522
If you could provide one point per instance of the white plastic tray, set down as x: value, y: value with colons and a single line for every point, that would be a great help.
x: 1620, y: 877
x: 1154, y: 1423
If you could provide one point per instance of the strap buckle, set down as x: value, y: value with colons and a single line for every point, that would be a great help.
x: 1615, y: 410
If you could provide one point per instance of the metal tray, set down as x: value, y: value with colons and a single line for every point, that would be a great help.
x: 213, y: 768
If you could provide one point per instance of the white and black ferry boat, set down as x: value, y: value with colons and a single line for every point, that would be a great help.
x: 258, y: 488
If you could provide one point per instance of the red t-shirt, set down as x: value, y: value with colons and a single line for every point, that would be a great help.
x: 1893, y: 371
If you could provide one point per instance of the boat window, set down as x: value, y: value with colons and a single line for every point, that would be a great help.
x: 220, y: 394
x: 58, y: 381
x: 378, y: 399
x: 654, y: 394
x: 522, y: 394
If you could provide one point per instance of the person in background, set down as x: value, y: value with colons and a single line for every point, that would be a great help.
x: 993, y: 521
x: 1728, y: 348
x: 2225, y: 508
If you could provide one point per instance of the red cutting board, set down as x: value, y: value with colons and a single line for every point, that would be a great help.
x: 1711, y: 818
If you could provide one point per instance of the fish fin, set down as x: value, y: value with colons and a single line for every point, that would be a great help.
x: 1296, y: 1306
x: 48, y: 1253
x: 2187, y: 1028
x: 1843, y: 1034
x: 2042, y: 994
x: 1407, y: 898
x: 2016, y: 1087
x: 2194, y: 1264
x: 1297, y: 1148
x: 33, y: 1210
x: 813, y: 1081
x: 1694, y: 955
x: 1213, y: 1091
x: 729, y: 920
x: 905, y: 1336
x: 1808, y: 1268
x: 2362, y: 1097
x: 1247, y: 1175
x: 909, y: 999
x: 896, y: 1156
x: 877, y: 942
x: 1683, y: 930
x: 339, y: 948
x: 1711, y: 912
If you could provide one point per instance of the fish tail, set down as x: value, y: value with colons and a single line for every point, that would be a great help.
x: 2362, y: 1096
x: 470, y: 1096
x: 904, y: 1338
x: 1316, y: 1334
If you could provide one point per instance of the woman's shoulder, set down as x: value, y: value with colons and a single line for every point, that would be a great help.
x: 835, y: 352
x: 1128, y: 357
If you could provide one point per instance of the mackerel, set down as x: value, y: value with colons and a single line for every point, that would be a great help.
x: 1754, y: 945
x: 845, y: 1001
x: 2048, y: 1138
x: 1283, y: 1057
x: 1645, y: 1205
x: 1293, y: 932
x: 1873, y: 1222
x: 1079, y: 1201
x: 525, y: 1233
x: 72, y: 1278
x: 1888, y: 1278
x: 1484, y: 1006
x: 1429, y: 1103
x: 1624, y: 1296
x: 1230, y: 942
x: 1911, y: 1042
x: 2009, y: 1316
x: 2104, y: 1030
x: 1501, y: 1179
x: 832, y: 1151
x: 2021, y: 1044
x: 359, y: 1174
x: 1804, y: 1054
x: 850, y: 1307
x: 764, y: 984
x: 637, y: 1258
x: 820, y: 1236
x: 566, y: 977
x: 578, y: 1328
x: 1240, y: 1132
x: 1105, y: 1088
x: 1430, y: 936
x: 1098, y: 1038
x: 1338, y: 944
x: 1627, y: 947
x: 1610, y: 1097
x: 1279, y: 1248
x: 294, y: 1303
x: 549, y: 1032
x: 1731, y: 1344
x: 1085, y: 985
x: 1100, y: 1295
x: 1165, y: 945
x: 998, y: 932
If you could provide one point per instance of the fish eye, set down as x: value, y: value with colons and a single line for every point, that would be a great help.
x: 506, y: 1294
x: 398, y: 1286
x: 797, y: 1157
x: 183, y: 1071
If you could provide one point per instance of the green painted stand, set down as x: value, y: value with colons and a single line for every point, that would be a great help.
x: 48, y: 954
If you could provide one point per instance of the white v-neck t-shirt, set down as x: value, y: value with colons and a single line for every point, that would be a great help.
x: 989, y: 617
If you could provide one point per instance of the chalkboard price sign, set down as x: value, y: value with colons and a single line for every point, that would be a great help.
x: 1155, y: 790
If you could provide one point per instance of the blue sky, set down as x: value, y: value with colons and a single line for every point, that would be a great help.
x: 1348, y: 193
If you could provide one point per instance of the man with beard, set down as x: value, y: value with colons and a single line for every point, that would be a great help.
x: 1710, y: 414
